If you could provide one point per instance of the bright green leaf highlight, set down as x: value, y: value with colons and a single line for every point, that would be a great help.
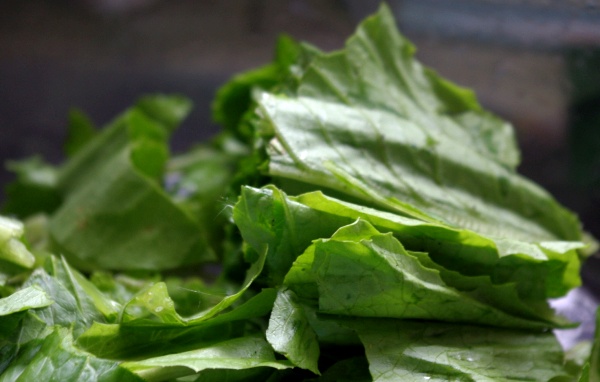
x: 239, y: 353
x: 27, y: 298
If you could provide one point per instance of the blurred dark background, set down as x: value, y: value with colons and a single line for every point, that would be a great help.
x: 535, y: 63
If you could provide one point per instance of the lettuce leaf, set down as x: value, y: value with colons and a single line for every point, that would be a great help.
x: 371, y: 123
x: 416, y: 351
x: 14, y: 255
x: 288, y: 225
x: 367, y: 215
x: 55, y: 358
x: 393, y: 282
x: 115, y: 214
x: 236, y: 354
x: 290, y: 332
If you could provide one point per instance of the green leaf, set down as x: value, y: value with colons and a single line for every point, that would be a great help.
x: 290, y: 333
x: 511, y: 277
x: 539, y: 270
x: 34, y: 190
x: 593, y: 369
x: 416, y: 351
x: 234, y: 99
x: 13, y: 252
x: 28, y: 298
x: 13, y: 307
x: 393, y: 283
x: 77, y: 303
x: 147, y: 338
x: 199, y: 181
x: 55, y: 358
x: 267, y: 218
x: 115, y: 214
x: 150, y: 320
x: 63, y: 298
x: 80, y: 131
x: 89, y: 297
x: 371, y: 123
x: 239, y: 353
x: 231, y: 375
x: 169, y: 111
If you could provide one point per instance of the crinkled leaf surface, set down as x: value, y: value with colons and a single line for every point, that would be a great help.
x: 13, y: 308
x: 149, y: 320
x: 268, y: 220
x: 115, y: 214
x: 539, y: 270
x: 151, y: 338
x: 55, y: 358
x: 290, y: 333
x: 429, y: 351
x: 373, y: 124
x: 393, y: 283
x: 77, y: 302
x: 288, y: 232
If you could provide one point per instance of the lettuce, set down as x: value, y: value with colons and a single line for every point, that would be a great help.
x: 359, y: 218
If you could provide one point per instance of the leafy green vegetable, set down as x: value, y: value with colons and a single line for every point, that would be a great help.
x: 54, y: 358
x: 115, y: 216
x: 289, y: 232
x: 393, y: 282
x: 290, y: 333
x: 416, y: 351
x: 27, y: 298
x: 137, y: 339
x: 240, y: 353
x: 35, y: 189
x: 80, y: 131
x: 371, y: 123
x: 359, y: 218
x: 12, y: 250
x: 591, y: 371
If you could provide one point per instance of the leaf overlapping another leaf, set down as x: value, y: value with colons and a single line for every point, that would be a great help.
x: 381, y: 232
x: 371, y: 123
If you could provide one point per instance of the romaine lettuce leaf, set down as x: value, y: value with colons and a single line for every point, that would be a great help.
x: 115, y: 214
x: 290, y: 332
x: 55, y: 358
x: 34, y: 190
x: 14, y: 255
x: 371, y: 123
x: 24, y: 299
x: 400, y: 350
x: 235, y: 354
x: 143, y: 338
x: 77, y: 302
x: 495, y: 275
x: 149, y: 320
x: 395, y: 242
x: 393, y: 283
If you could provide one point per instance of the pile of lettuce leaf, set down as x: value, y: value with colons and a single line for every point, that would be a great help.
x: 359, y: 218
